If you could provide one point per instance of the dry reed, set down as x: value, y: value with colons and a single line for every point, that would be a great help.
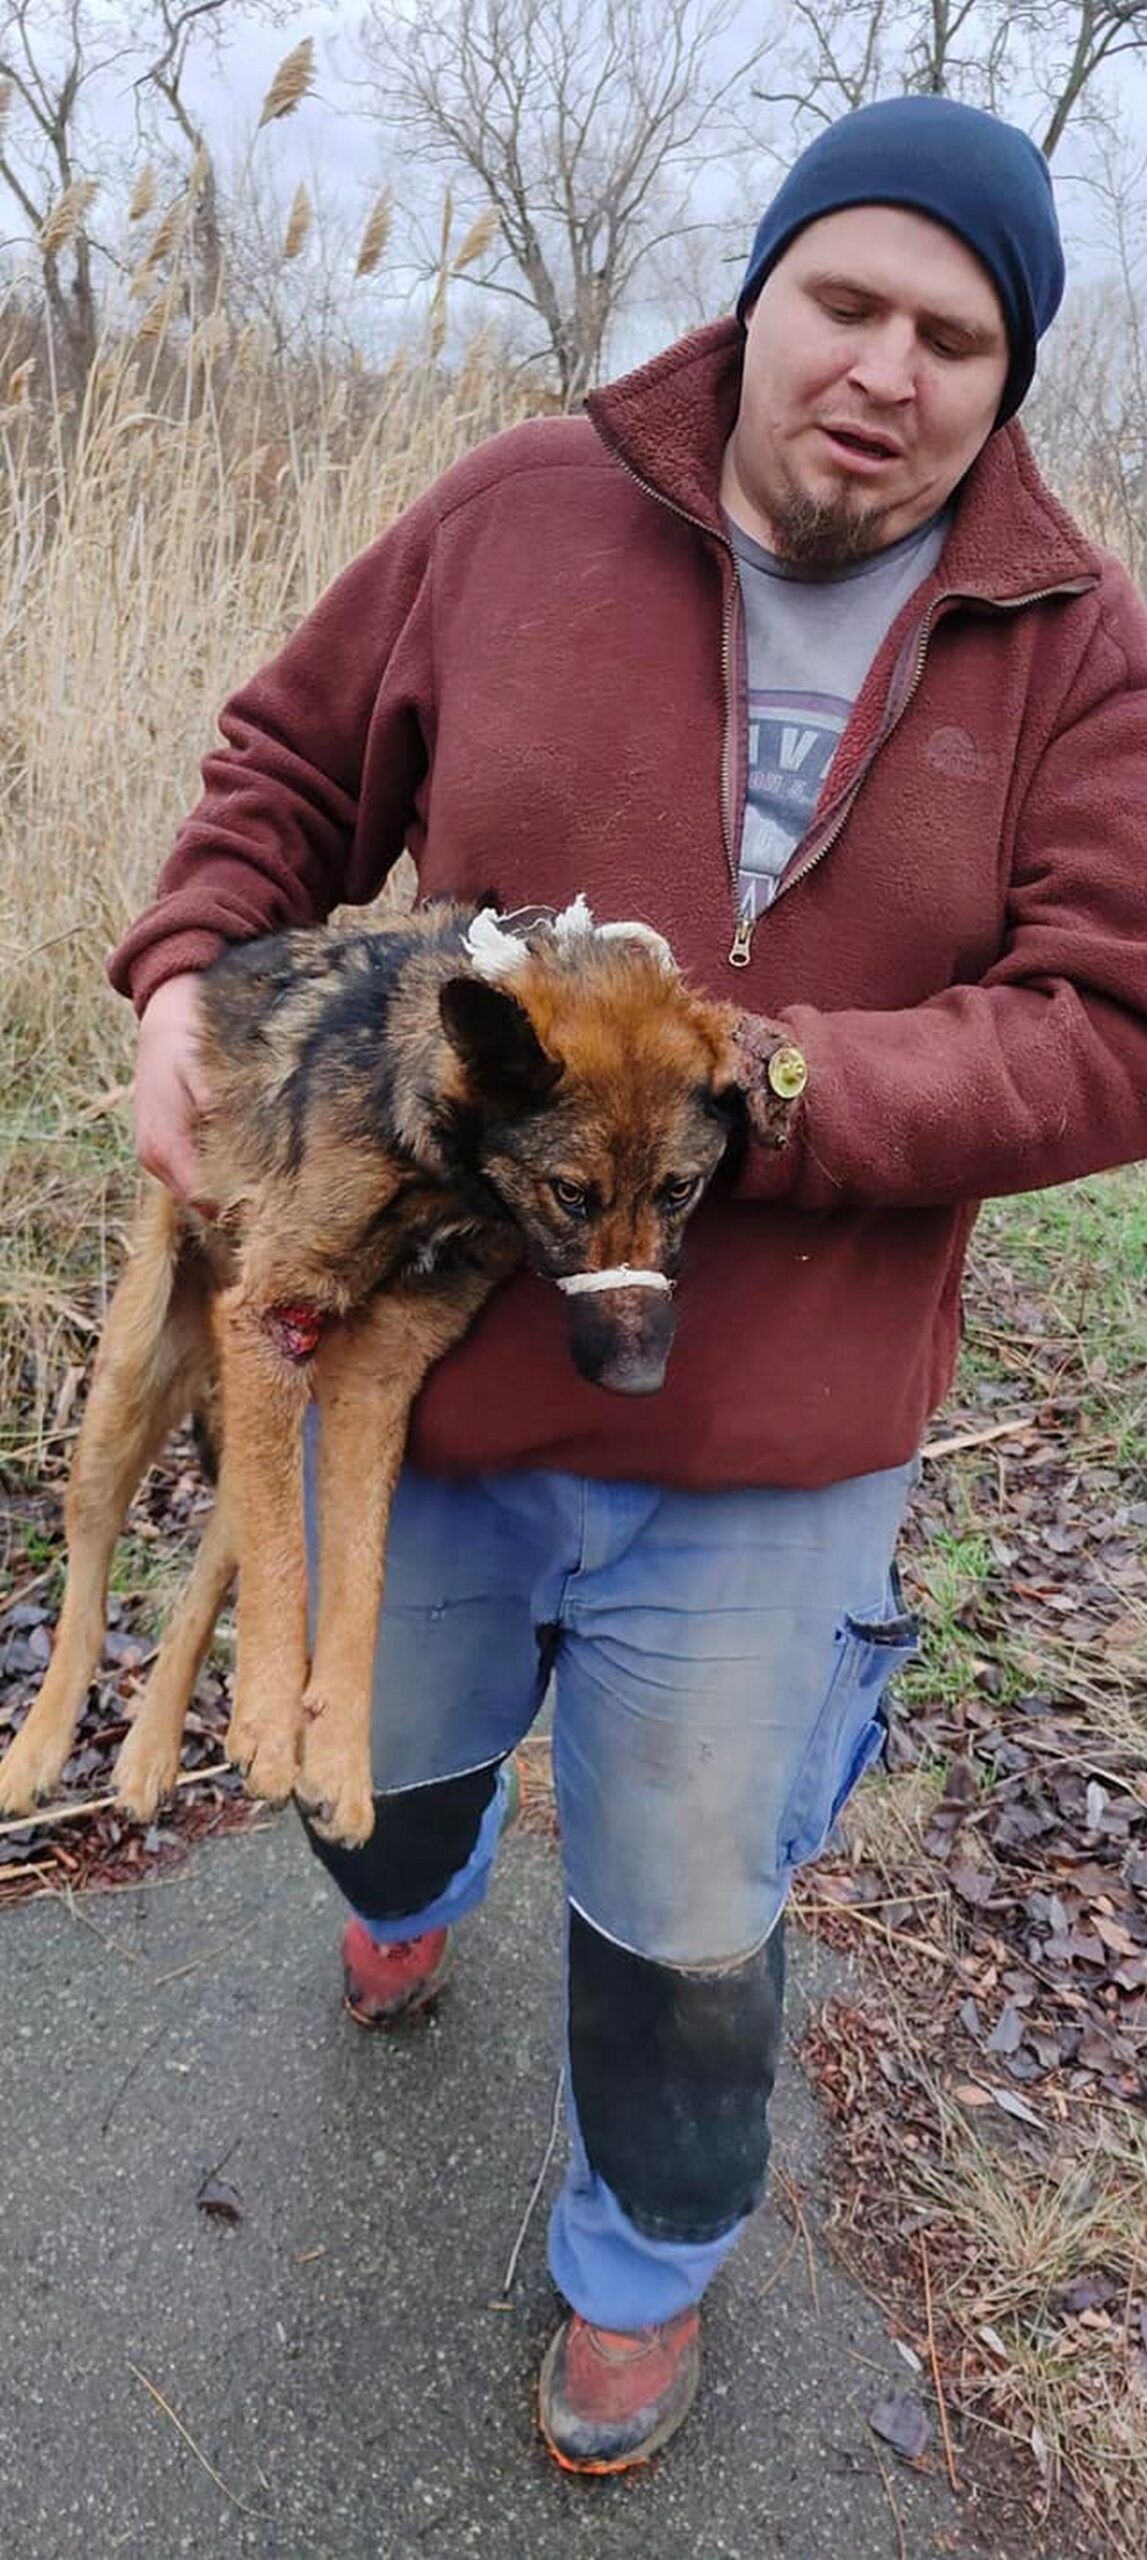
x: 155, y: 547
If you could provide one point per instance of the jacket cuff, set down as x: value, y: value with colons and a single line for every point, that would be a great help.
x: 137, y: 975
x: 773, y: 1076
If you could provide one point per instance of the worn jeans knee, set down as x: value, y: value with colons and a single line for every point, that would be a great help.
x: 422, y: 1837
x: 672, y: 2070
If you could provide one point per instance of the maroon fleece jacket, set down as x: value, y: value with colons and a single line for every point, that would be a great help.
x: 535, y: 680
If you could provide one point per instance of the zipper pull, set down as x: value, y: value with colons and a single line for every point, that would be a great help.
x: 741, y: 949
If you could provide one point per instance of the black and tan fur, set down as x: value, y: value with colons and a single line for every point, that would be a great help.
x: 389, y: 1135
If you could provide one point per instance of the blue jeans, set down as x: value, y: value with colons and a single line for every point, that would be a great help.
x: 718, y: 1662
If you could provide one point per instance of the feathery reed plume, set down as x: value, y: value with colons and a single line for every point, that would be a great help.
x: 376, y: 234
x: 143, y: 195
x: 157, y: 318
x: 162, y: 242
x: 447, y: 227
x: 298, y: 224
x: 436, y: 334
x: 477, y: 240
x: 475, y: 370
x: 293, y: 79
x: 212, y: 338
x: 65, y: 217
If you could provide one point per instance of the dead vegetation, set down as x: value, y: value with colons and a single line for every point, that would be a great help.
x: 988, y: 2074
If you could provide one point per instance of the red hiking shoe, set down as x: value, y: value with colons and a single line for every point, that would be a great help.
x: 609, y: 2398
x: 383, y: 1984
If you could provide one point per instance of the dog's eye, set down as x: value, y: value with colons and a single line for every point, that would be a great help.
x: 570, y: 1196
x: 678, y: 1193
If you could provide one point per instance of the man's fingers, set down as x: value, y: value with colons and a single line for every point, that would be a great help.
x: 165, y: 1144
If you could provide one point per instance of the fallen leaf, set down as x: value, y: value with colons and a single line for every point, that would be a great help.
x: 902, y: 2421
x: 1013, y: 2106
x: 1007, y: 2032
x: 217, y: 2196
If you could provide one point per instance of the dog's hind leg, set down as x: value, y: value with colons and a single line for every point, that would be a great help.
x: 149, y: 1366
x: 265, y: 1396
x: 148, y: 1759
x: 368, y: 1373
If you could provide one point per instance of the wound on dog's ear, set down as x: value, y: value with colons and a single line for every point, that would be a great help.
x: 495, y: 1039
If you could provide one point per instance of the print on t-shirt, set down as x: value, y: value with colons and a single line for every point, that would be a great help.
x: 808, y: 644
x: 792, y: 741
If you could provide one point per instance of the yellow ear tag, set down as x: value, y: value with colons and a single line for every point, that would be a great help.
x: 787, y: 1072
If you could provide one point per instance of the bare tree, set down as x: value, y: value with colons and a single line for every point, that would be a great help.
x: 1046, y: 55
x: 577, y: 124
x: 48, y: 56
x: 57, y: 61
x: 180, y: 32
x: 180, y: 23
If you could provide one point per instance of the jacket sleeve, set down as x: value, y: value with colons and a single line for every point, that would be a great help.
x: 1037, y: 1074
x: 336, y: 719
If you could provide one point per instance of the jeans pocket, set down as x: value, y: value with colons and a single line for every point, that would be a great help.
x: 850, y: 1731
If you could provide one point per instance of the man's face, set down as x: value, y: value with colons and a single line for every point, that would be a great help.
x: 875, y: 363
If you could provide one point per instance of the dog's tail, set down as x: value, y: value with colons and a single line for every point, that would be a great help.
x: 160, y: 1345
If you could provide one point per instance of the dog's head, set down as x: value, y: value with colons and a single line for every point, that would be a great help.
x: 597, y: 1095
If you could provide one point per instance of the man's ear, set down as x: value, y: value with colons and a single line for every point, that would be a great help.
x: 496, y: 1041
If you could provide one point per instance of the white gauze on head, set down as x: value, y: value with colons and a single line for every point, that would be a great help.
x: 577, y: 919
x: 496, y: 952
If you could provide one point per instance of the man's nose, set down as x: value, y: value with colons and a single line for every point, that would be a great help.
x: 884, y: 367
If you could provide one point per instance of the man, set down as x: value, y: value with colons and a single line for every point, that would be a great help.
x: 788, y: 650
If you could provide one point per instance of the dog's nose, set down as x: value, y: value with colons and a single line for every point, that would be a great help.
x: 620, y: 1339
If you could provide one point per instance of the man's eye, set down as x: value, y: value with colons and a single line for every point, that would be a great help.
x: 946, y: 347
x: 677, y: 1194
x: 570, y: 1196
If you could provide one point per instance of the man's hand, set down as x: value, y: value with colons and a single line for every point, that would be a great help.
x: 773, y: 1077
x: 170, y: 1095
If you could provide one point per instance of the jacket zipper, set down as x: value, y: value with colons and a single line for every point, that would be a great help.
x: 741, y: 948
x: 728, y: 744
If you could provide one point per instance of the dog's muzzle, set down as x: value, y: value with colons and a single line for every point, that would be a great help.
x: 621, y: 1327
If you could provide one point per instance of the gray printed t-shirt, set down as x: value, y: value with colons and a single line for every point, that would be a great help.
x: 809, y: 643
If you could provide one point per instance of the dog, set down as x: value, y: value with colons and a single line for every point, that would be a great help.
x: 398, y: 1117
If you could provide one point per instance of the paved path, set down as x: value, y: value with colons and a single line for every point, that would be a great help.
x: 337, y: 2355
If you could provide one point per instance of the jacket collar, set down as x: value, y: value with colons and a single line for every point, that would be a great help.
x: 669, y: 423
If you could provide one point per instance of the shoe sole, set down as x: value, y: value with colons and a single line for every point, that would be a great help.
x: 602, y: 2470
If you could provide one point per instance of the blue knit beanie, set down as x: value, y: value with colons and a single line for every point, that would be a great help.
x: 981, y: 178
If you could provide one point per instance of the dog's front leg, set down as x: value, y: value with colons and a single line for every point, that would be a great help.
x: 369, y: 1371
x: 265, y: 1396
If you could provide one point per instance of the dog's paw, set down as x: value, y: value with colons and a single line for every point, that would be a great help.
x: 267, y: 1762
x: 336, y: 1799
x: 144, y: 1773
x: 30, y: 1773
x: 346, y: 1823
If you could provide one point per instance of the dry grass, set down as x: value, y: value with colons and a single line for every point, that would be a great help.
x: 154, y: 548
x: 1021, y: 2243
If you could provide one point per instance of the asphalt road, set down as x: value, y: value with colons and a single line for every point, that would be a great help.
x: 339, y: 2379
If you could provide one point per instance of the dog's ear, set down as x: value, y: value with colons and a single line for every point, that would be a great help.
x: 496, y: 1041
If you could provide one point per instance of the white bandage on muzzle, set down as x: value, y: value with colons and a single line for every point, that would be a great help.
x: 621, y: 1277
